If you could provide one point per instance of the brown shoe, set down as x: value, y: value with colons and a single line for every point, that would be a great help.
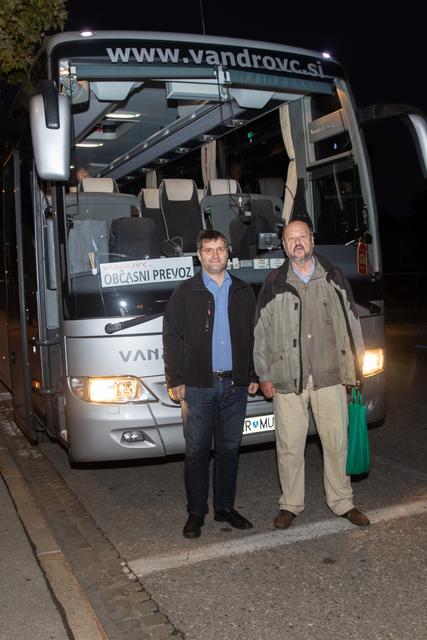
x: 284, y: 519
x: 356, y: 517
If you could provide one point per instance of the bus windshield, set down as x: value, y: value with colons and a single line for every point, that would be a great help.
x: 161, y: 153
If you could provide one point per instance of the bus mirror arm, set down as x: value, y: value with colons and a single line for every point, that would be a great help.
x: 113, y: 327
x: 413, y: 118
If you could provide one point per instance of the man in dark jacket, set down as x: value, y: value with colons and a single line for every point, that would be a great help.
x: 208, y: 342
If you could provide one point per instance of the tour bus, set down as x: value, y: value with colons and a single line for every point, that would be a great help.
x: 129, y: 145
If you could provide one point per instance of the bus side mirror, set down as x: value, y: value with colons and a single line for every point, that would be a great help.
x: 50, y: 132
x: 413, y: 118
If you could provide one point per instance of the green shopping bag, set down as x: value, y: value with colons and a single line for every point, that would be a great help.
x: 358, y: 455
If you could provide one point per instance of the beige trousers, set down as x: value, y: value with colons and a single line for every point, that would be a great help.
x: 329, y: 407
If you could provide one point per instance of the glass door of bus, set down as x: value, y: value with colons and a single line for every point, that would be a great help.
x: 15, y: 297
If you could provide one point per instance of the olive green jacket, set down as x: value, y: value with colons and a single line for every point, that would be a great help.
x: 277, y: 348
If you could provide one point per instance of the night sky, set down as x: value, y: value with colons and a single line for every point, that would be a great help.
x: 381, y: 46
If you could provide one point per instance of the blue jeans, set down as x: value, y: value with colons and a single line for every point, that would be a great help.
x: 216, y: 413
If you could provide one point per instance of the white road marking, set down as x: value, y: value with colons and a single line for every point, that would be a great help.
x: 268, y: 540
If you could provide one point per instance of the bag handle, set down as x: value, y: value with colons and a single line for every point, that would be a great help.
x: 356, y: 396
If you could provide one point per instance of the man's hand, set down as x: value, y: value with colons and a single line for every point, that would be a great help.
x: 268, y: 389
x: 177, y: 393
x: 253, y: 388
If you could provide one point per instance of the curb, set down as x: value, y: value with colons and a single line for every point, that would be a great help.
x: 123, y: 608
x: 79, y: 614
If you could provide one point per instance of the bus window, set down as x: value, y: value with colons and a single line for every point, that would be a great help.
x: 338, y: 204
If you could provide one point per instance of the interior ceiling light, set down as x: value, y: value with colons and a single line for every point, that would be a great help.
x: 89, y: 145
x: 123, y: 115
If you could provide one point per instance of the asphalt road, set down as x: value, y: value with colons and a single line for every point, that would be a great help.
x: 323, y: 578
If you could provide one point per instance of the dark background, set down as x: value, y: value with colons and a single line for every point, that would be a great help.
x: 381, y: 46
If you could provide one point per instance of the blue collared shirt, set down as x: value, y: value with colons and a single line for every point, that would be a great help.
x: 303, y: 276
x: 222, y: 359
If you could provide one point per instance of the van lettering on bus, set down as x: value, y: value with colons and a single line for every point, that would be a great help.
x: 143, y: 55
x: 134, y: 356
x: 128, y: 277
x: 244, y: 59
x: 136, y: 272
x: 180, y: 273
x: 196, y: 55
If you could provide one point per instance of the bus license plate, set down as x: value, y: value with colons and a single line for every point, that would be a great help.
x: 259, y: 424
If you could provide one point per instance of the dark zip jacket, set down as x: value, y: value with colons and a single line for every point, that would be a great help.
x: 188, y: 328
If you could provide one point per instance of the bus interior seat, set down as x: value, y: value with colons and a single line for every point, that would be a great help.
x: 271, y: 187
x: 85, y: 236
x: 93, y: 207
x: 276, y: 205
x: 133, y: 239
x: 150, y: 208
x: 243, y: 231
x: 222, y: 186
x: 220, y: 206
x: 200, y: 194
x: 181, y: 211
x: 98, y: 185
x: 218, y: 211
x: 102, y: 206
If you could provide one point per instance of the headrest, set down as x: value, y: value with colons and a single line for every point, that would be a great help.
x: 178, y: 189
x: 271, y: 187
x: 98, y: 185
x: 200, y: 194
x: 150, y: 198
x: 221, y: 187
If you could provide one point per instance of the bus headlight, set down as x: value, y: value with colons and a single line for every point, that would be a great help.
x: 373, y: 362
x: 117, y: 390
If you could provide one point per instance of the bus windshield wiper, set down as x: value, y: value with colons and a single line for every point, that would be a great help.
x: 112, y: 327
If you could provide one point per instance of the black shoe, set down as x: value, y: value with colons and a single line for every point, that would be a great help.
x: 234, y: 518
x: 192, y: 528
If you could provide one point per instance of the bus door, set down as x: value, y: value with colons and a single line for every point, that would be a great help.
x: 18, y: 307
x: 4, y: 334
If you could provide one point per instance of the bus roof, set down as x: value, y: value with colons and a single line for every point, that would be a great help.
x: 75, y: 36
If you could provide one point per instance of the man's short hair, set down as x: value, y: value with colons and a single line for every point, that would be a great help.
x: 302, y: 217
x: 208, y: 235
x: 299, y: 218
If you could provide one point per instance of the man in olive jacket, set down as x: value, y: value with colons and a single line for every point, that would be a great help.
x: 308, y: 345
x: 208, y: 354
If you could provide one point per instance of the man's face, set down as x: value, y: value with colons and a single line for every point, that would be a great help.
x: 213, y: 256
x: 298, y: 242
